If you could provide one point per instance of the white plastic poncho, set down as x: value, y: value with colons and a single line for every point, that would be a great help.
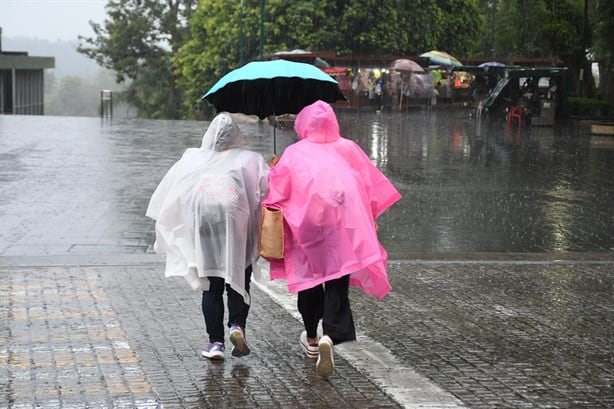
x: 207, y: 209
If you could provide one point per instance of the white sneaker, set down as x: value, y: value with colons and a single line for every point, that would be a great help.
x: 326, y: 364
x: 311, y: 350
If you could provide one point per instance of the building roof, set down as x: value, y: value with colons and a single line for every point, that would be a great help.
x: 22, y: 61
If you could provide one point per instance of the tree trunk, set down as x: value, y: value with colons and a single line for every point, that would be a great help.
x: 606, y: 85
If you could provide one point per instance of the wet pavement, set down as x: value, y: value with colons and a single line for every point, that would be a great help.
x: 502, y: 271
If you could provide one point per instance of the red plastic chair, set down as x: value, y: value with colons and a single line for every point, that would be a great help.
x: 515, y: 112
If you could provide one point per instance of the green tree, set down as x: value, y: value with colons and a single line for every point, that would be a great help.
x: 461, y: 26
x: 79, y: 96
x: 137, y: 41
x: 519, y: 31
x: 383, y: 27
x: 547, y: 28
x: 604, y: 48
x: 302, y: 24
x: 369, y: 27
x: 213, y: 47
x: 565, y: 36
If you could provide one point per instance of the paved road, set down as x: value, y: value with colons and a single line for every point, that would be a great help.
x: 88, y: 320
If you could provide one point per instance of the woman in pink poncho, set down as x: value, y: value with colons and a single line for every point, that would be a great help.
x: 331, y: 195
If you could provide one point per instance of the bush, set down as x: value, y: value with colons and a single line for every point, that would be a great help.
x: 587, y: 107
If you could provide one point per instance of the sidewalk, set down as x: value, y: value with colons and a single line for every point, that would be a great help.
x: 126, y: 337
x: 116, y: 333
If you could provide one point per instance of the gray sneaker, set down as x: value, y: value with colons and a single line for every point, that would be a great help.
x: 213, y: 350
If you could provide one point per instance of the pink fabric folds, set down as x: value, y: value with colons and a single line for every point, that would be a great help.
x: 331, y: 194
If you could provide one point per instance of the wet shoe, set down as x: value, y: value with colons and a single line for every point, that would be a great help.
x: 237, y: 337
x: 326, y: 363
x: 213, y: 350
x: 311, y: 350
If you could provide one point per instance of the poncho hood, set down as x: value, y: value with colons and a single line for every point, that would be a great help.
x: 222, y: 134
x: 317, y: 123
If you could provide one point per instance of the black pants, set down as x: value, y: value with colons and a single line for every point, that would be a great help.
x: 330, y: 303
x: 213, y: 306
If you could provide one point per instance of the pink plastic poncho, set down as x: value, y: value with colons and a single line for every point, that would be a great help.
x: 331, y: 194
x: 207, y: 209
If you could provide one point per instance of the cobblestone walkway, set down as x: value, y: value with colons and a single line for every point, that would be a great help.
x: 500, y: 334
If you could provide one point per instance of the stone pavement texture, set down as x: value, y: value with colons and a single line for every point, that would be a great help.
x: 492, y: 335
x: 87, y: 319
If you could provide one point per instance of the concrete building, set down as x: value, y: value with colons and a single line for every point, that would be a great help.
x: 22, y: 82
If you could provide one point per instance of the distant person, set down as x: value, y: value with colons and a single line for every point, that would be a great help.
x: 330, y: 194
x: 379, y: 94
x: 480, y: 93
x: 433, y: 98
x: 207, y: 213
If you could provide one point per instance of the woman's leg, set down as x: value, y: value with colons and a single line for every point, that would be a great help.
x: 237, y: 308
x: 338, y: 322
x: 237, y: 316
x: 311, y: 306
x: 213, y: 309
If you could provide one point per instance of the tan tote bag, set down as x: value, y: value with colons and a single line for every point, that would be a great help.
x: 271, y: 237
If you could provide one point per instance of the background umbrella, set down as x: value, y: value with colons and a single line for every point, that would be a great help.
x: 441, y: 57
x: 266, y: 88
x: 406, y: 66
x: 492, y: 64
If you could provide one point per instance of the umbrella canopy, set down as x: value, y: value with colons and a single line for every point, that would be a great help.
x: 492, y: 64
x: 441, y: 57
x: 405, y: 65
x: 275, y: 87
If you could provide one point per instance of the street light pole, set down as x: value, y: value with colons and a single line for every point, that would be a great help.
x: 493, y: 11
x: 261, y: 29
x: 583, y: 61
x: 241, y: 40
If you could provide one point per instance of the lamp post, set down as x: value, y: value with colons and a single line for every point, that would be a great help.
x: 583, y: 61
x: 241, y: 40
x: 261, y: 29
x: 493, y: 10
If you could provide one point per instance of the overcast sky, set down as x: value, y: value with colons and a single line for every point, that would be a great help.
x: 50, y: 19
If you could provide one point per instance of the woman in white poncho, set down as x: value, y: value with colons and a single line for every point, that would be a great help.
x: 207, y: 213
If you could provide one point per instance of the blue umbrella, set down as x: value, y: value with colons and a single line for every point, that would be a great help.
x: 275, y: 87
x: 269, y: 88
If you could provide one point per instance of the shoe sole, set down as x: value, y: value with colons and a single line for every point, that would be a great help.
x: 216, y: 356
x: 325, y: 364
x: 240, y: 346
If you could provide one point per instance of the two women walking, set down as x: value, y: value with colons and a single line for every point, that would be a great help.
x: 207, y: 212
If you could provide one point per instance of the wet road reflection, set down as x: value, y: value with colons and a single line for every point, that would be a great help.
x: 476, y: 186
x: 468, y: 186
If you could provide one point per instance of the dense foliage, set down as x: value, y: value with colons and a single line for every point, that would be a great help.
x: 170, y: 52
x: 137, y: 41
x: 384, y: 27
